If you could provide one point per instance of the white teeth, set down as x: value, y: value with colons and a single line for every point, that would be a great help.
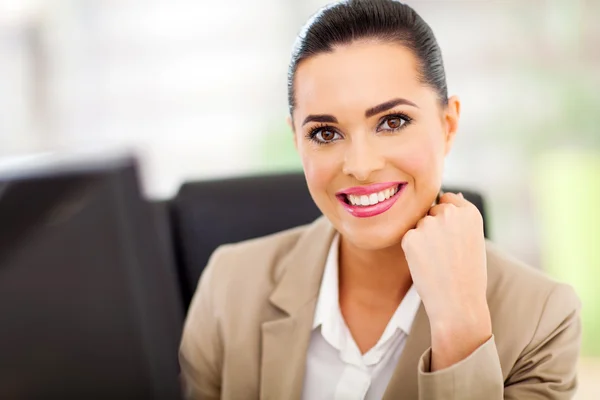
x: 373, y: 198
x: 354, y: 200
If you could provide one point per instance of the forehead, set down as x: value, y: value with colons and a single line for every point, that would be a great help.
x: 356, y: 76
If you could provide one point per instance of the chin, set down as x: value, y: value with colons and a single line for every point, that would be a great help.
x: 374, y: 237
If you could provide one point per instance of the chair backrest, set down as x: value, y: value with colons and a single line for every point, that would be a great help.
x: 207, y: 214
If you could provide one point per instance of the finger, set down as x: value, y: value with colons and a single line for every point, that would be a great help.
x: 422, y: 221
x: 407, y: 239
x: 453, y: 198
x: 437, y: 209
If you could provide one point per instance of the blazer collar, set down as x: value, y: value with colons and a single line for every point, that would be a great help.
x: 285, y: 340
x: 303, y: 267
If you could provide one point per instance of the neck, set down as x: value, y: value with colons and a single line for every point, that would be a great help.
x: 375, y: 276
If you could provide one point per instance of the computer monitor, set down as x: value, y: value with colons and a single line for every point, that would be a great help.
x: 89, y: 303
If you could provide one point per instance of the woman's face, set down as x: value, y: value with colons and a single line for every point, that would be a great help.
x: 372, y: 139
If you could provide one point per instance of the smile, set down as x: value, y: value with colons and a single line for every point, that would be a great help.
x: 372, y: 200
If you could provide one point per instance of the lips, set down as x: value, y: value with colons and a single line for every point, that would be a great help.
x: 371, y: 200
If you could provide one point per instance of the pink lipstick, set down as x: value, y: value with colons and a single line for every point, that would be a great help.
x: 371, y: 200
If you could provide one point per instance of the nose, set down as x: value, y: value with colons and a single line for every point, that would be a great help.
x: 362, y: 159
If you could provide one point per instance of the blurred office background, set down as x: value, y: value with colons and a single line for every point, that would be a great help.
x: 197, y: 89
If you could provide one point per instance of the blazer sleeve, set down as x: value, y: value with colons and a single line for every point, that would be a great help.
x: 546, y: 369
x: 201, y: 348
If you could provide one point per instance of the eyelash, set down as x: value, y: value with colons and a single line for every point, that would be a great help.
x: 319, y: 128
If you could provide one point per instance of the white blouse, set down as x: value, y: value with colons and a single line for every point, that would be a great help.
x: 335, y: 367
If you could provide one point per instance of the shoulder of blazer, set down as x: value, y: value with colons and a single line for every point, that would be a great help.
x: 518, y: 293
x: 261, y: 262
x: 507, y: 274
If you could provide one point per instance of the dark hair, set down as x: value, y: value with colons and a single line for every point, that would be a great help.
x: 385, y: 20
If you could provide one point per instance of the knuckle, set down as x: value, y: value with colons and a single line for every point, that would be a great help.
x: 448, y: 210
x: 425, y: 221
x: 446, y: 197
x: 410, y: 235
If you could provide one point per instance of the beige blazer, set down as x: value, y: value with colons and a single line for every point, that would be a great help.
x: 248, y: 328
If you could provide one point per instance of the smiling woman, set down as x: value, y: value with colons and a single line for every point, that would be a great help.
x: 355, y: 130
x: 394, y: 292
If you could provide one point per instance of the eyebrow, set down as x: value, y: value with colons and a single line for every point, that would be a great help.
x: 320, y: 118
x: 388, y: 105
x: 369, y: 113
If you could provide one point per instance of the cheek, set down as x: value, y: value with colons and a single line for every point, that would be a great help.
x: 319, y: 167
x: 421, y: 157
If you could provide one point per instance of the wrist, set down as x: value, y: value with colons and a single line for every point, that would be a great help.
x: 463, y: 320
x: 454, y: 338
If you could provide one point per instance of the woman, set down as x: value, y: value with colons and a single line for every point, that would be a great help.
x: 392, y: 294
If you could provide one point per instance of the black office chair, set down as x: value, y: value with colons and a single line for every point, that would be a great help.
x: 207, y: 214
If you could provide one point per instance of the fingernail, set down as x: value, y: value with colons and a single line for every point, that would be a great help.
x: 461, y: 195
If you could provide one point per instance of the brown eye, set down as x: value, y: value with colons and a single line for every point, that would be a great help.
x: 393, y: 123
x: 324, y: 135
x: 327, y: 136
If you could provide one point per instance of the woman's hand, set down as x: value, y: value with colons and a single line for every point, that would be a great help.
x: 446, y: 256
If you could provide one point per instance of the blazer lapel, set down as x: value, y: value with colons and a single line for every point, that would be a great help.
x: 404, y: 382
x: 284, y: 347
x: 285, y: 339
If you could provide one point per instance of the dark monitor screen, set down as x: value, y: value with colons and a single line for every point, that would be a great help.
x: 89, y: 306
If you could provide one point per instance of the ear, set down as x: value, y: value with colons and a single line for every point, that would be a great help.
x: 290, y: 123
x: 451, y: 118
